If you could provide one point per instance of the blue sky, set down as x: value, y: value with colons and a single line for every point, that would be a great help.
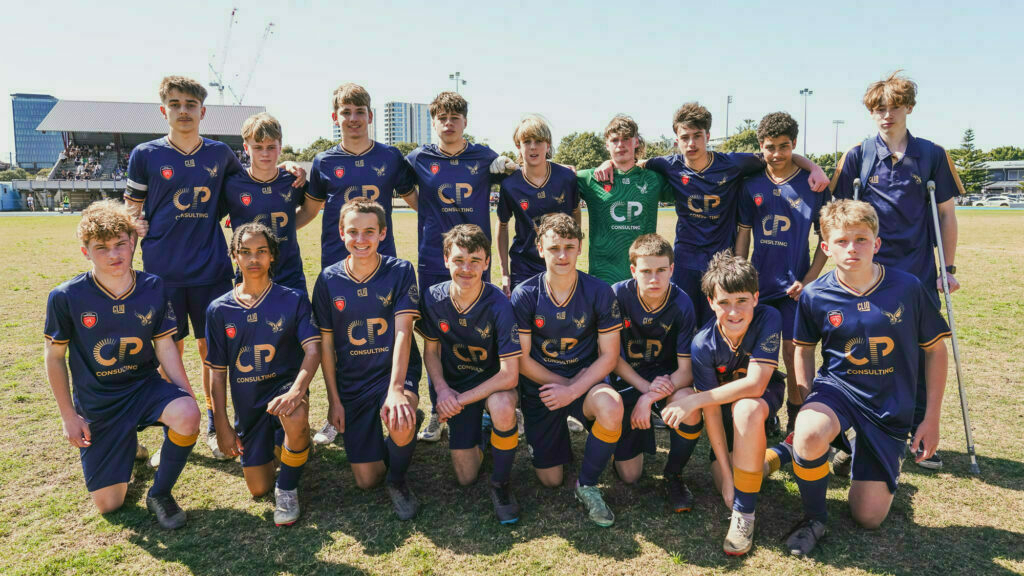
x: 576, y: 63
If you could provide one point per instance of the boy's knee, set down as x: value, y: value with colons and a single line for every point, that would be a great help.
x: 869, y: 519
x: 108, y: 504
x: 750, y: 411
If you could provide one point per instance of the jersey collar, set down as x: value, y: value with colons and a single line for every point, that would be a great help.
x: 181, y: 151
x: 547, y: 178
x: 652, y: 309
x: 256, y: 302
x: 471, y: 305
x: 342, y: 149
x: 257, y: 180
x: 352, y: 276
x: 872, y: 288
x: 110, y: 294
x: 551, y: 295
x: 465, y: 146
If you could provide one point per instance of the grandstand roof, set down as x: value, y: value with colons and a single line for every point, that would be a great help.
x: 138, y: 118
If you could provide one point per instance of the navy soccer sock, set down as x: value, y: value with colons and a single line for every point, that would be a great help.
x: 598, y: 450
x: 173, y: 455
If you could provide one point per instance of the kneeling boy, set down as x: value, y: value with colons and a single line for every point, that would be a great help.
x: 871, y: 321
x: 118, y: 325
x: 263, y: 334
x: 472, y: 357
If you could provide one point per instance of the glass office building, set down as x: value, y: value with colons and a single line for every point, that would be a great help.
x: 34, y: 150
x: 406, y: 122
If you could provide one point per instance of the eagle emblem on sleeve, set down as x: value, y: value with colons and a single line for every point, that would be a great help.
x: 147, y: 318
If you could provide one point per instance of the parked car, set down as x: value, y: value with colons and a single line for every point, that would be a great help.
x: 972, y: 200
x: 996, y: 201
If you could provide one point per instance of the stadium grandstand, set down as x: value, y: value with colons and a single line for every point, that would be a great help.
x: 99, y: 136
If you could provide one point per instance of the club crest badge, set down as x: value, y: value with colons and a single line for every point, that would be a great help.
x: 684, y: 179
x: 524, y: 204
x: 758, y: 199
x: 435, y: 167
x: 339, y: 303
x: 444, y: 326
x: 89, y: 319
x: 167, y: 172
x: 627, y: 323
x: 607, y: 187
x: 835, y: 318
x: 246, y: 199
x: 230, y: 330
x: 538, y: 321
x: 339, y: 172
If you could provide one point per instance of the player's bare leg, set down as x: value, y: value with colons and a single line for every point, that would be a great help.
x: 749, y: 416
x: 869, y: 502
x: 631, y: 470
x: 793, y: 399
x: 109, y: 498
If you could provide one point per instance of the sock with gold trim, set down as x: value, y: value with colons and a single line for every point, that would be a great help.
x: 173, y: 455
x: 681, y: 445
x: 598, y: 450
x: 503, y: 451
x: 292, y: 463
x: 746, y: 487
x: 812, y: 478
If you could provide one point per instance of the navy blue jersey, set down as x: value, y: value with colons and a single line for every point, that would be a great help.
x: 271, y: 203
x: 870, y: 340
x: 716, y: 360
x: 474, y: 340
x: 653, y: 338
x: 110, y: 339
x: 339, y: 176
x: 453, y: 190
x: 895, y: 190
x: 361, y: 313
x: 529, y: 203
x: 259, y: 345
x: 180, y: 195
x: 781, y: 215
x: 705, y: 203
x: 563, y: 335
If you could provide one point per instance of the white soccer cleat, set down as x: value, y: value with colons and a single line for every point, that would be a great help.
x: 433, y: 430
x: 325, y: 435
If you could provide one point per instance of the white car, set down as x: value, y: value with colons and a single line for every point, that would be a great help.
x: 996, y: 201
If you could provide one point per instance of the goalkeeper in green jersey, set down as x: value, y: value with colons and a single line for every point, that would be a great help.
x: 623, y: 210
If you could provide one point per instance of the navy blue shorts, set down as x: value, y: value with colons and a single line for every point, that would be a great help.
x: 465, y: 429
x: 634, y: 442
x: 773, y: 395
x: 364, y: 430
x: 787, y: 307
x: 109, y: 460
x: 190, y: 303
x: 547, y: 432
x: 259, y: 431
x: 877, y: 456
x: 689, y: 281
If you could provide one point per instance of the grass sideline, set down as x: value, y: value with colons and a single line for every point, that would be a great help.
x: 947, y: 521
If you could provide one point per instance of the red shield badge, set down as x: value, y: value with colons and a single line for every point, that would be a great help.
x: 684, y: 179
x: 89, y: 319
x: 524, y: 204
x: 339, y: 172
x: 339, y: 303
x: 607, y: 187
x: 443, y: 324
x: 167, y: 172
x: 246, y: 199
x: 721, y: 369
x: 835, y: 318
x: 627, y: 323
x: 435, y: 168
x: 230, y: 330
x: 538, y: 321
x: 758, y: 199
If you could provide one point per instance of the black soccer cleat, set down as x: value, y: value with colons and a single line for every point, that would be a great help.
x: 405, y: 502
x: 805, y: 536
x: 168, y: 514
x: 506, y: 508
x: 680, y: 499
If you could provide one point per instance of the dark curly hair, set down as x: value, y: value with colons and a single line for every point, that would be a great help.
x: 255, y: 228
x: 777, y: 124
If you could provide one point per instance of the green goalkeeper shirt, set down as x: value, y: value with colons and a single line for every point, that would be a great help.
x: 619, y: 213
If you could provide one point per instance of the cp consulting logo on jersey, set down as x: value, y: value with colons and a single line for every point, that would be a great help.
x: 461, y: 192
x: 632, y: 210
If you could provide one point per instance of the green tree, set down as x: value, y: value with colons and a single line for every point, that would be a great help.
x: 663, y: 146
x: 288, y: 154
x: 14, y: 174
x: 513, y: 154
x: 970, y: 163
x: 826, y: 162
x: 469, y: 137
x: 582, y: 150
x: 315, y: 148
x: 1004, y: 153
x: 744, y: 140
x: 406, y: 147
x: 44, y: 172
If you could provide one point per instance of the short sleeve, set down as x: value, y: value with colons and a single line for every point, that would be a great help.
x: 408, y: 294
x: 658, y: 165
x: 405, y: 180
x: 59, y: 326
x: 768, y: 340
x: 322, y: 305
x: 233, y: 165
x: 703, y: 367
x: 687, y: 325
x: 947, y: 181
x: 748, y: 210
x: 306, y: 328
x: 425, y: 323
x: 747, y: 163
x: 317, y: 186
x: 216, y: 340
x: 506, y: 328
x: 523, y: 306
x: 166, y: 323
x: 806, y: 331
x: 849, y: 169
x: 504, y: 204
x: 665, y: 192
x: 931, y: 326
x: 606, y: 307
x: 138, y: 176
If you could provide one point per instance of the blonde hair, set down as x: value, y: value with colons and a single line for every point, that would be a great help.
x: 625, y: 127
x: 350, y: 93
x: 532, y: 127
x: 845, y: 213
x: 104, y: 220
x: 896, y: 90
x: 261, y: 127
x: 561, y: 224
x: 181, y: 84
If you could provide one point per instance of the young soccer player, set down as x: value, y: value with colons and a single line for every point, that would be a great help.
x: 540, y: 187
x: 779, y: 209
x: 570, y: 325
x: 365, y: 306
x: 453, y: 180
x: 472, y: 356
x: 706, y: 186
x: 116, y: 323
x: 871, y: 320
x: 357, y: 167
x: 264, y: 193
x: 176, y: 182
x: 737, y: 386
x: 262, y: 336
x: 622, y: 209
x: 894, y: 168
x: 658, y: 328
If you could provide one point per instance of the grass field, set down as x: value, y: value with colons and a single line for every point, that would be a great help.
x: 948, y: 522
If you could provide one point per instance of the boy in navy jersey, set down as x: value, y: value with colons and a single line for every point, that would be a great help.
x: 706, y: 186
x: 737, y: 386
x: 175, y: 181
x: 658, y: 328
x: 570, y: 326
x: 262, y: 336
x: 894, y: 168
x: 117, y: 324
x: 472, y: 356
x: 539, y: 187
x: 264, y: 193
x: 870, y: 320
x: 779, y: 208
x: 365, y: 306
x: 453, y: 180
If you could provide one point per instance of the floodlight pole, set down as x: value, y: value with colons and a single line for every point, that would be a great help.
x: 728, y: 101
x: 837, y: 124
x: 805, y: 93
x: 457, y: 77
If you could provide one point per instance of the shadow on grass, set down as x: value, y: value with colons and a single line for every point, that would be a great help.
x: 1008, y: 474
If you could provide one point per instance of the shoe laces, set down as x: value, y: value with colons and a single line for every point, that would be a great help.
x: 743, y: 526
x: 286, y: 499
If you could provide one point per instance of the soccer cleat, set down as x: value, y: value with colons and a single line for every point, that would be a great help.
x: 286, y: 508
x: 740, y: 538
x: 841, y: 463
x: 403, y: 499
x: 168, y: 514
x: 211, y: 441
x: 141, y: 453
x: 597, y: 510
x: 934, y: 462
x: 506, y: 508
x: 805, y: 536
x: 154, y: 460
x: 325, y: 435
x: 433, y: 430
x: 574, y: 425
x: 680, y: 499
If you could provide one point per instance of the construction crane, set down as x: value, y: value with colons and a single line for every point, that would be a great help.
x: 218, y: 70
x: 256, y: 60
